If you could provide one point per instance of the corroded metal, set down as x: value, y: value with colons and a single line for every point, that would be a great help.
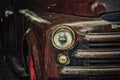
x: 102, y: 37
x: 85, y: 29
x: 63, y: 59
x: 96, y: 54
x: 79, y: 7
x: 90, y: 70
x: 69, y: 35
x: 43, y: 17
x: 33, y: 17
x: 35, y: 51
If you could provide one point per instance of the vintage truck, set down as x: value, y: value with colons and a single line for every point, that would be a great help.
x: 65, y: 39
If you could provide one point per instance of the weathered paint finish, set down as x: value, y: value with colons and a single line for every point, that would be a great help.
x: 36, y: 53
x: 100, y: 37
x: 79, y: 7
x: 87, y: 31
x: 80, y: 26
x: 97, y: 54
x: 90, y: 70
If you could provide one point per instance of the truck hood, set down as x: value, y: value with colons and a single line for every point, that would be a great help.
x: 79, y: 7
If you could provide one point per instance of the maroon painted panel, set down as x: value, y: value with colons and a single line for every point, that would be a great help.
x: 79, y: 7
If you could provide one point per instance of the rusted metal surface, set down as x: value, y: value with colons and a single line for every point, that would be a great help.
x: 32, y: 43
x: 96, y: 54
x: 42, y: 52
x: 89, y: 31
x: 33, y: 17
x: 102, y: 37
x: 86, y: 30
x: 78, y: 7
x: 49, y: 59
x: 80, y: 26
x: 90, y: 70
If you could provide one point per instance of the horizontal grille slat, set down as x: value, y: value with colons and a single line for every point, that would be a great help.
x: 102, y: 40
x: 102, y: 37
x: 90, y: 70
x: 96, y: 54
x: 99, y: 49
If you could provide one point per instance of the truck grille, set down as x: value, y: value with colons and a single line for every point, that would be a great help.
x: 103, y: 40
x: 99, y: 57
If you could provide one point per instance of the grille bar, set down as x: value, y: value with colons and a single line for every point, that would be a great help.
x: 96, y: 54
x: 102, y: 37
x: 90, y: 70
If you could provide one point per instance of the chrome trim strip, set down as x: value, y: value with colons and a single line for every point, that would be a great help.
x: 97, y: 22
x: 33, y: 17
x: 90, y: 70
x: 96, y: 54
x: 98, y: 37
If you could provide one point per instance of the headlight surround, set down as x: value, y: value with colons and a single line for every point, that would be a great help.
x: 63, y: 37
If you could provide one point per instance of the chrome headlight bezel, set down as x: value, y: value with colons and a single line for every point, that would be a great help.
x: 67, y: 30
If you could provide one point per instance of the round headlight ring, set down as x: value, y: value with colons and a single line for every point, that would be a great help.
x: 66, y: 30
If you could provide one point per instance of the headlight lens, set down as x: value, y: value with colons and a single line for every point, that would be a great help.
x: 63, y: 37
